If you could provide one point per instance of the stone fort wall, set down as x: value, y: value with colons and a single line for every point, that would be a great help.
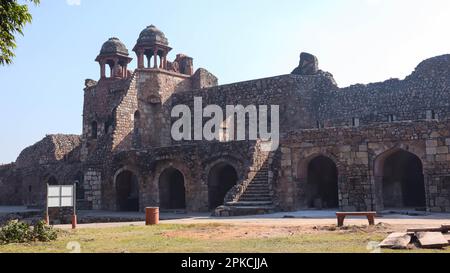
x: 126, y: 129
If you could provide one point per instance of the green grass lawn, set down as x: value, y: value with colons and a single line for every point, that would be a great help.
x: 161, y: 239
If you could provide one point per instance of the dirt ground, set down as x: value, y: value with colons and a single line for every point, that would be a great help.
x: 269, y: 231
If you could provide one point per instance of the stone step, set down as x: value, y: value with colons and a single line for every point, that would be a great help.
x: 258, y: 186
x: 249, y: 203
x: 244, y: 210
x: 260, y: 180
x: 256, y: 196
x: 256, y: 192
x: 255, y: 199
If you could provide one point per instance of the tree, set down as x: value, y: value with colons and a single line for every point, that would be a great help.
x: 13, y: 18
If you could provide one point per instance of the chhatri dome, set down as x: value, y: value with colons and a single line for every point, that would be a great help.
x: 152, y: 36
x: 114, y: 47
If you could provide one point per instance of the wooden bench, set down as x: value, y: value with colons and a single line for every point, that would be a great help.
x: 369, y: 214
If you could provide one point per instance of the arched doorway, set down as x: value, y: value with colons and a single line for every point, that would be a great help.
x: 322, y: 183
x: 403, y: 181
x: 127, y: 189
x: 221, y: 179
x: 172, y: 192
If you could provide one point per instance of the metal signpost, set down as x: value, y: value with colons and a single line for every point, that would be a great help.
x: 62, y: 197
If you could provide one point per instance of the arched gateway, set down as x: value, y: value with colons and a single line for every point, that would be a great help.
x: 127, y: 191
x: 322, y: 183
x: 402, y: 184
x: 221, y: 179
x: 172, y: 190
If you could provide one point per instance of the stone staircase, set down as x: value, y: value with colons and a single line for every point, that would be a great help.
x: 254, y: 198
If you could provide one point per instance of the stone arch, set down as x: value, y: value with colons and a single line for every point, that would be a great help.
x: 126, y: 184
x: 222, y: 176
x: 172, y: 189
x: 399, y: 180
x: 302, y: 167
x: 191, y: 187
x: 320, y: 173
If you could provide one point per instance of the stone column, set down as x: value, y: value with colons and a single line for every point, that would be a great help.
x: 148, y: 61
x: 155, y: 58
x: 102, y: 70
x: 140, y: 59
x: 115, y: 69
x: 124, y: 71
x: 165, y: 61
x: 111, y: 72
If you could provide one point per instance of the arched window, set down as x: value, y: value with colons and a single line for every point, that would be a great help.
x: 94, y: 130
x: 136, y: 133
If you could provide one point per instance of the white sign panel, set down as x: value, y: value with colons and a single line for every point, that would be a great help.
x: 53, y: 191
x: 60, y: 196
x: 67, y: 191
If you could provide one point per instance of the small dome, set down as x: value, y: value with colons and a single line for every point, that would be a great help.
x: 151, y: 36
x: 114, y: 46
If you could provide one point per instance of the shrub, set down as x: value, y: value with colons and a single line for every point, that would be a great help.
x: 44, y: 233
x: 20, y: 232
x: 15, y: 232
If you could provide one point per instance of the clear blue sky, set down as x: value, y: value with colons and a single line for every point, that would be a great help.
x: 359, y: 41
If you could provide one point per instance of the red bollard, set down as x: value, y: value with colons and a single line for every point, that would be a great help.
x: 74, y: 221
x: 151, y: 216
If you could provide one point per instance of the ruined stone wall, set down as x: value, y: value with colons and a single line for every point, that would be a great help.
x: 306, y: 101
x: 355, y: 152
x: 10, y: 186
x: 55, y: 158
x: 424, y: 91
x: 49, y: 150
x: 297, y: 97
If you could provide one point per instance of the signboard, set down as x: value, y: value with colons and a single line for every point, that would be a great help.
x: 60, y: 196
